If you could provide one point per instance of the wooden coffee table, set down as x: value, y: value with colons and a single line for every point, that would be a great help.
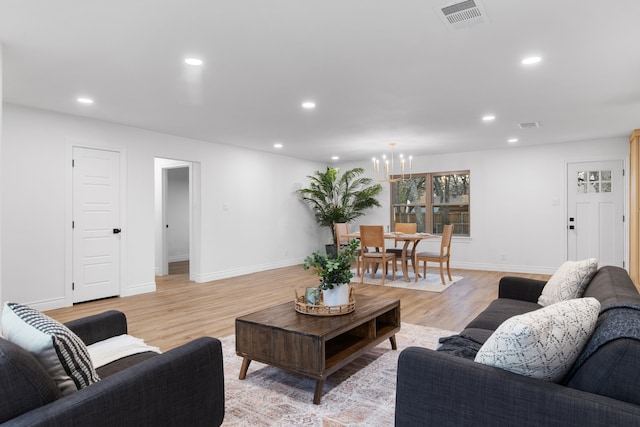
x: 315, y: 346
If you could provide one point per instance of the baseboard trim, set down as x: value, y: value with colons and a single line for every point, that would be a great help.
x: 142, y: 288
x: 178, y: 258
x: 531, y: 269
x: 51, y: 304
x: 225, y: 274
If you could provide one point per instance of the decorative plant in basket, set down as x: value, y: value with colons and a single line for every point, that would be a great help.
x: 334, y: 271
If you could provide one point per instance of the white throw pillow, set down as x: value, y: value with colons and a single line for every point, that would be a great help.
x: 61, y: 352
x: 544, y: 343
x: 568, y: 282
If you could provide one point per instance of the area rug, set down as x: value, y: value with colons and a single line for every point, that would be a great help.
x: 431, y: 283
x: 360, y: 394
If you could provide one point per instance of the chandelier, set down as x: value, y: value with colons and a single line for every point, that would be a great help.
x: 386, y: 172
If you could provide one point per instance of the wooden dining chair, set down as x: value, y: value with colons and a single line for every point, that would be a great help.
x: 372, y: 251
x: 406, y: 228
x: 441, y: 258
x: 342, y: 229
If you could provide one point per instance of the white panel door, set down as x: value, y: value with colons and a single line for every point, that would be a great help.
x: 595, y: 209
x: 96, y: 224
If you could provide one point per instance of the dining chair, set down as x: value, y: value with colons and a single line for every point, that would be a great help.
x: 372, y: 251
x: 406, y: 228
x: 342, y: 229
x: 442, y: 257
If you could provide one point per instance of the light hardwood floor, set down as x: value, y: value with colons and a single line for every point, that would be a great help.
x: 180, y: 310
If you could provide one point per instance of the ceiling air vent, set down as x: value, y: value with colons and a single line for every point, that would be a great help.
x: 462, y: 14
x: 530, y: 125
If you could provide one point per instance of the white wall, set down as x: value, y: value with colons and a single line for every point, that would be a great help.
x: 265, y: 220
x: 512, y: 209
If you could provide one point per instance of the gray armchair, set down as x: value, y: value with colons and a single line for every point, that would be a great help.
x: 183, y: 386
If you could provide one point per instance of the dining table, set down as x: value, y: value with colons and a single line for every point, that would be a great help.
x: 407, y: 239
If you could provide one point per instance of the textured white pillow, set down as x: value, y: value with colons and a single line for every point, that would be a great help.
x: 568, y: 282
x: 61, y: 352
x: 543, y: 343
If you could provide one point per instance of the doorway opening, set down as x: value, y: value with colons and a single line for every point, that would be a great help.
x: 175, y: 226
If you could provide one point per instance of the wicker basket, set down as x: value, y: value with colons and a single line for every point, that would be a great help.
x: 325, y: 310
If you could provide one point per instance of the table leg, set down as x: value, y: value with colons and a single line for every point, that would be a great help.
x: 413, y: 257
x: 394, y: 345
x: 243, y: 369
x: 318, y: 393
x: 405, y: 267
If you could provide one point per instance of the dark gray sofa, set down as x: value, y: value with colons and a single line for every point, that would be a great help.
x: 181, y: 387
x: 447, y: 388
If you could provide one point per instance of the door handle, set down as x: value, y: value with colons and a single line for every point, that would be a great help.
x: 117, y: 231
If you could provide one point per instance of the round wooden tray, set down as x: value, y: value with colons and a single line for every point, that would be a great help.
x: 324, y: 310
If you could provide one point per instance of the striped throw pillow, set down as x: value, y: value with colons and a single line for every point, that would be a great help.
x: 61, y: 352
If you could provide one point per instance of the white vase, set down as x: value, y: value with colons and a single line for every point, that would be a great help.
x: 339, y: 295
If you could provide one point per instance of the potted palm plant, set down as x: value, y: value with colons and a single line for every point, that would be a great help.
x: 336, y: 198
x: 334, y: 271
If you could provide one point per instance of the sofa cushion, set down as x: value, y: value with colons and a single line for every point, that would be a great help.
x: 544, y: 343
x: 25, y: 383
x: 123, y: 363
x: 568, y: 282
x: 478, y: 335
x: 63, y: 355
x: 500, y: 310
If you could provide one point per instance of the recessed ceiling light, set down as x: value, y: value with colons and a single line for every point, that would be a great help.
x: 531, y: 60
x: 488, y: 118
x: 83, y: 100
x: 277, y: 145
x: 335, y: 158
x: 512, y: 140
x: 193, y: 61
x: 308, y: 105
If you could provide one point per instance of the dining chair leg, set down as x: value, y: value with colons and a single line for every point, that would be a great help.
x: 384, y: 272
x: 442, y: 274
x: 448, y: 271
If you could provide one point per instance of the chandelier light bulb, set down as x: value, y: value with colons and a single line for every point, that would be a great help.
x: 388, y: 173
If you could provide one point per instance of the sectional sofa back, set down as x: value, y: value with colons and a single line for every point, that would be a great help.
x: 610, y: 363
x: 612, y: 285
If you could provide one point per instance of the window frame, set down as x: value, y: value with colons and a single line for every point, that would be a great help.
x: 429, y: 202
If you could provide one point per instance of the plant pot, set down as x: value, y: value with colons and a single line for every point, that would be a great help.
x: 339, y: 295
x: 331, y: 250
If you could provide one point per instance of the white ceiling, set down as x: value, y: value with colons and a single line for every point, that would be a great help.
x: 379, y: 70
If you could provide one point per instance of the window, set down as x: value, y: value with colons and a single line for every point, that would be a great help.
x: 433, y: 200
x: 594, y: 182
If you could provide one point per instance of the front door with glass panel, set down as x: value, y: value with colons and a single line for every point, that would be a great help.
x: 595, y: 206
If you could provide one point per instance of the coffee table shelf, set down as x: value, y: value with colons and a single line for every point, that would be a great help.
x: 315, y: 346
